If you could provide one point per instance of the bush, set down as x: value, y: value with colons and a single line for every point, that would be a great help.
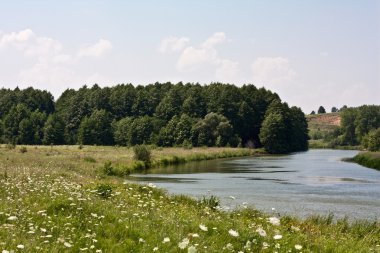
x: 142, y: 153
x: 23, y: 150
x: 108, y: 169
x: 104, y: 190
x: 211, y: 202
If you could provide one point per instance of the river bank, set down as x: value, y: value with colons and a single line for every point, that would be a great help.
x: 53, y: 199
x: 368, y: 159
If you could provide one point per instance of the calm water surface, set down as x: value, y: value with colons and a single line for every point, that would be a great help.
x: 313, y: 182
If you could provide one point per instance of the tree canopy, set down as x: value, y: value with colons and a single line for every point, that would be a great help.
x: 163, y: 114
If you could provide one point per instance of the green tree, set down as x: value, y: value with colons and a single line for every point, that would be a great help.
x: 96, y: 129
x: 12, y: 122
x: 312, y: 113
x: 213, y: 127
x: 276, y: 131
x: 122, y: 130
x: 54, y: 130
x: 372, y: 140
x: 321, y: 109
x: 334, y: 109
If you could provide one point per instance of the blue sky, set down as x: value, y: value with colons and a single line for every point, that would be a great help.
x: 310, y: 52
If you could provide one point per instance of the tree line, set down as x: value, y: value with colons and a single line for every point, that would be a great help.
x: 163, y: 114
x: 360, y: 126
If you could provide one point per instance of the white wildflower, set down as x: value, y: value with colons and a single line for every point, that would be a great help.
x: 166, y: 239
x: 298, y: 247
x: 20, y: 246
x: 12, y: 218
x: 184, y: 243
x: 155, y: 248
x: 203, y: 227
x: 67, y: 245
x: 233, y: 233
x: 191, y: 249
x: 277, y: 237
x: 141, y: 240
x: 274, y: 221
x: 261, y: 232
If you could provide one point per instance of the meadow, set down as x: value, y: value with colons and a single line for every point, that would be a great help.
x: 58, y: 199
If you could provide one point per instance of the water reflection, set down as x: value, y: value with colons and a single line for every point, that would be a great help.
x: 313, y: 182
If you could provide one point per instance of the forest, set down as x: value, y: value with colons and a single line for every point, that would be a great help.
x: 163, y: 114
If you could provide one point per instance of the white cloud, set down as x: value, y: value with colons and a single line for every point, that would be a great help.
x: 173, y: 44
x: 44, y: 64
x: 15, y: 37
x: 205, y: 58
x: 272, y: 71
x: 95, y: 50
x: 214, y: 40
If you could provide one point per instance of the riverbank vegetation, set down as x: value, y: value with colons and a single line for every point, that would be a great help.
x: 161, y: 114
x: 368, y: 159
x: 350, y: 128
x: 55, y: 199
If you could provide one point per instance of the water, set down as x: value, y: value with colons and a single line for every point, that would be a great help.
x: 302, y: 184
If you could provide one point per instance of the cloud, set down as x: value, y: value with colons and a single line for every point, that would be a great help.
x: 44, y: 63
x: 214, y: 40
x: 95, y: 50
x: 173, y: 44
x: 15, y: 37
x: 272, y: 71
x: 202, y: 58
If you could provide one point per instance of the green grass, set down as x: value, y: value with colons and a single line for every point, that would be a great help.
x: 62, y: 203
x: 368, y: 159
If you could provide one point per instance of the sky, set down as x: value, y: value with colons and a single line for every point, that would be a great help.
x: 312, y: 53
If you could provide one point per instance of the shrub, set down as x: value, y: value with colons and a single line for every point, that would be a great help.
x: 108, y: 169
x: 104, y: 190
x: 211, y: 202
x: 23, y: 150
x: 142, y: 153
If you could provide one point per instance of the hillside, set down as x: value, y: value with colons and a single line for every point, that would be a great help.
x: 321, y: 128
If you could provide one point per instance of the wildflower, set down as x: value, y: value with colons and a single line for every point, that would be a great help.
x: 233, y: 233
x: 184, y: 243
x: 98, y: 251
x: 12, y: 218
x: 265, y: 245
x: 141, y: 240
x: 4, y: 251
x: 166, y: 239
x: 298, y: 247
x: 295, y: 228
x: 261, y: 232
x: 67, y: 245
x: 83, y: 249
x: 232, y: 197
x: 277, y: 237
x: 194, y: 235
x: 155, y: 248
x: 274, y: 221
x: 20, y: 246
x: 203, y: 227
x: 191, y: 249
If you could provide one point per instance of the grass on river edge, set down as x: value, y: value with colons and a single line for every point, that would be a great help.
x: 53, y: 199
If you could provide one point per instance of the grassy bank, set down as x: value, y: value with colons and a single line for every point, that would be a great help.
x: 55, y: 201
x: 368, y: 159
x: 321, y: 144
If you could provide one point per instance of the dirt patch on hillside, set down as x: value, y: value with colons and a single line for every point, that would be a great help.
x: 328, y: 119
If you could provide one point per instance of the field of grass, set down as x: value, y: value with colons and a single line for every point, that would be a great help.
x: 55, y: 199
x: 368, y: 159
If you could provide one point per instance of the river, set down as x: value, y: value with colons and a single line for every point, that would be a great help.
x: 301, y: 184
